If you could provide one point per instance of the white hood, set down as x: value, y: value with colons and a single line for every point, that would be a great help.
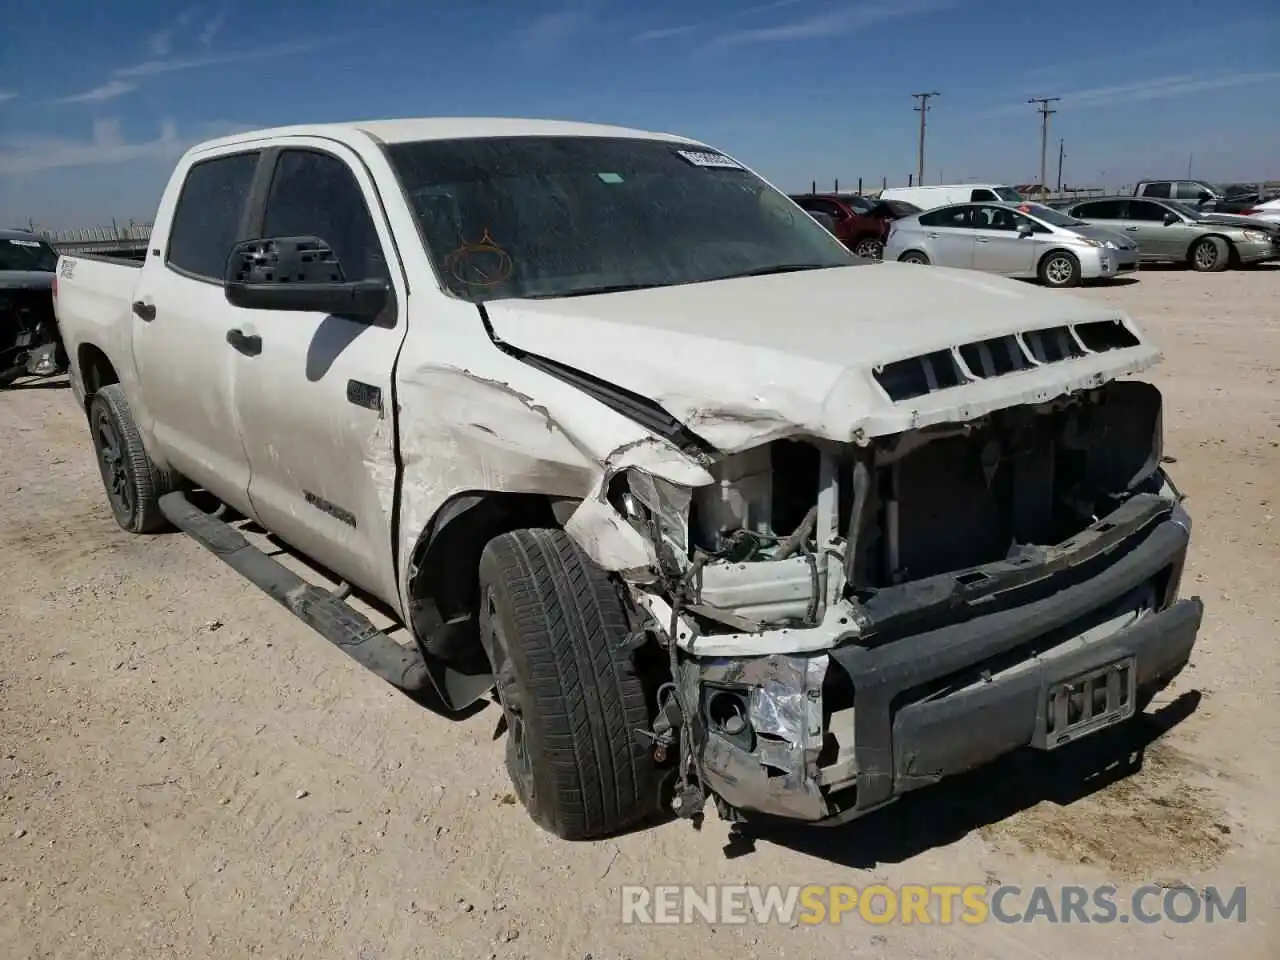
x: 747, y: 360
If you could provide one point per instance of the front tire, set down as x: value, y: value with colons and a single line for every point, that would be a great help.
x: 134, y: 485
x: 1210, y: 255
x: 914, y: 256
x: 558, y: 637
x: 1060, y: 269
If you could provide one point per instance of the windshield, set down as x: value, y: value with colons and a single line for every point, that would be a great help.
x: 1008, y: 194
x: 559, y: 216
x: 1055, y: 218
x: 23, y: 254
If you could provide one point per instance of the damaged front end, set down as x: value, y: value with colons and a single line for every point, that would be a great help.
x: 30, y: 343
x: 848, y: 622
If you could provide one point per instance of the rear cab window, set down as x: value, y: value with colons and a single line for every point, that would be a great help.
x: 208, y: 216
x: 1157, y: 190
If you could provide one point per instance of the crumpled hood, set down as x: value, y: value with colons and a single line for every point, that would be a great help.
x: 1236, y: 220
x: 746, y: 360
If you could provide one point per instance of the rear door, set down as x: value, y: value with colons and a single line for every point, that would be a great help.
x: 998, y: 247
x: 315, y: 396
x: 949, y: 236
x: 180, y: 320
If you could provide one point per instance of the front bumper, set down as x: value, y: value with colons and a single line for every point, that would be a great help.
x: 1097, y: 264
x: 945, y: 687
x: 1259, y: 251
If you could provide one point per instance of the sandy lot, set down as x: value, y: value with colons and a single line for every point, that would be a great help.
x: 186, y: 771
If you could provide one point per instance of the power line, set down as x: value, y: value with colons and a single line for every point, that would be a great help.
x: 1044, y: 135
x: 922, y: 109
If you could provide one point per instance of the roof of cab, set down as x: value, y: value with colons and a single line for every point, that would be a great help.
x: 440, y: 128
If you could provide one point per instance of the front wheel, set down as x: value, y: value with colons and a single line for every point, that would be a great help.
x: 872, y: 248
x: 559, y: 640
x: 134, y: 484
x: 914, y: 256
x: 1060, y: 269
x: 1210, y: 255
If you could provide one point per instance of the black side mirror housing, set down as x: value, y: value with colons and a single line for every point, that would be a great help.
x: 1171, y: 218
x: 1025, y: 231
x: 299, y: 273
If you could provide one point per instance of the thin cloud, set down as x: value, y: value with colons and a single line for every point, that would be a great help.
x: 548, y: 31
x: 665, y: 33
x: 101, y: 94
x: 153, y: 67
x: 1154, y: 88
x: 160, y: 43
x: 832, y: 22
x: 211, y: 28
x: 8, y: 95
x: 105, y: 145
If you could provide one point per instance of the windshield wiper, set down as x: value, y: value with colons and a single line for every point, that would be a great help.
x: 777, y: 268
x: 588, y: 291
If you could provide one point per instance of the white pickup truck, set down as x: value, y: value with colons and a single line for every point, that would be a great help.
x: 718, y: 509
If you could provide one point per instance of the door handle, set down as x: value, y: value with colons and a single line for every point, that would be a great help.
x: 982, y: 239
x: 932, y: 236
x: 144, y: 311
x: 250, y: 344
x: 1132, y: 229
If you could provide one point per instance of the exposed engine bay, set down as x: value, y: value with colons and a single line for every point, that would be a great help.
x: 777, y: 587
x: 30, y: 344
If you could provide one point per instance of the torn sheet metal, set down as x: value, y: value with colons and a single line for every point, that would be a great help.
x: 775, y: 769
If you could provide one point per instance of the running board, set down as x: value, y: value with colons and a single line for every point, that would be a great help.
x: 329, y: 615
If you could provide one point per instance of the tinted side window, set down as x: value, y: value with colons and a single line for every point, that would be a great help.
x: 315, y: 194
x: 947, y: 217
x: 995, y: 218
x: 982, y: 193
x: 1189, y: 191
x: 1100, y: 210
x: 206, y: 221
x: 1156, y: 190
x: 1141, y: 210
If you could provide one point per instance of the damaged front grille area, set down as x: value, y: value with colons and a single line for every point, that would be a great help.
x: 998, y: 356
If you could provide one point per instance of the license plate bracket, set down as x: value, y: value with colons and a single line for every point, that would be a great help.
x: 1086, y: 703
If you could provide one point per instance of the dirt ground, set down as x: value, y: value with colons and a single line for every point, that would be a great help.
x: 188, y: 772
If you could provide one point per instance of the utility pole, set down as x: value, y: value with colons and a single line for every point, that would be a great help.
x: 1044, y: 133
x: 922, y: 109
x: 1062, y: 152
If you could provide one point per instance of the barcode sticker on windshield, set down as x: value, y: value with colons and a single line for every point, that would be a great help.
x: 705, y: 158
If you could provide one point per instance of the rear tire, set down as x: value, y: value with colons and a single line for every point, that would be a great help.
x: 872, y: 248
x: 1210, y: 255
x: 557, y: 634
x: 914, y: 256
x: 134, y: 485
x: 1060, y: 269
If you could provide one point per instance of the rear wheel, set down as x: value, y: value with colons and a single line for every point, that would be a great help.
x: 870, y: 247
x: 558, y: 637
x: 914, y: 256
x: 134, y: 484
x: 1060, y: 269
x: 1210, y: 255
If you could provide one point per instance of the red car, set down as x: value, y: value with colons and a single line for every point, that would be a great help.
x: 862, y: 224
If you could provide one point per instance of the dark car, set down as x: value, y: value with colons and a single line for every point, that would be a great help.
x: 861, y: 223
x: 29, y: 341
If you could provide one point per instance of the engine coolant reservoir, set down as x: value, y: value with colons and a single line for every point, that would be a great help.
x: 741, y: 497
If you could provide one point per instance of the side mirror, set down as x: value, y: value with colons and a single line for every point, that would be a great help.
x: 1171, y: 218
x: 827, y: 221
x: 298, y: 273
x: 1024, y: 230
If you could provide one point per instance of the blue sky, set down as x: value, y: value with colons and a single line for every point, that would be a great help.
x: 97, y: 100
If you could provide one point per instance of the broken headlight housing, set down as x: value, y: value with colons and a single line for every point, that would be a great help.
x: 659, y: 510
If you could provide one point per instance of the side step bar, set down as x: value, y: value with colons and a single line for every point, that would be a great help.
x: 327, y: 614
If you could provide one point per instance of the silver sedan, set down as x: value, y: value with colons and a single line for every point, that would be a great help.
x: 1013, y: 239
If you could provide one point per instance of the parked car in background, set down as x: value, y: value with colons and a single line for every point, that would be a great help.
x: 1172, y: 231
x: 29, y: 341
x: 859, y: 222
x: 1196, y: 193
x: 1016, y: 240
x: 1267, y: 210
x: 939, y: 195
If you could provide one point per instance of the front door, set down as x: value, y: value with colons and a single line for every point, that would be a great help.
x: 186, y: 372
x: 315, y: 396
x: 1145, y: 221
x: 998, y: 247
